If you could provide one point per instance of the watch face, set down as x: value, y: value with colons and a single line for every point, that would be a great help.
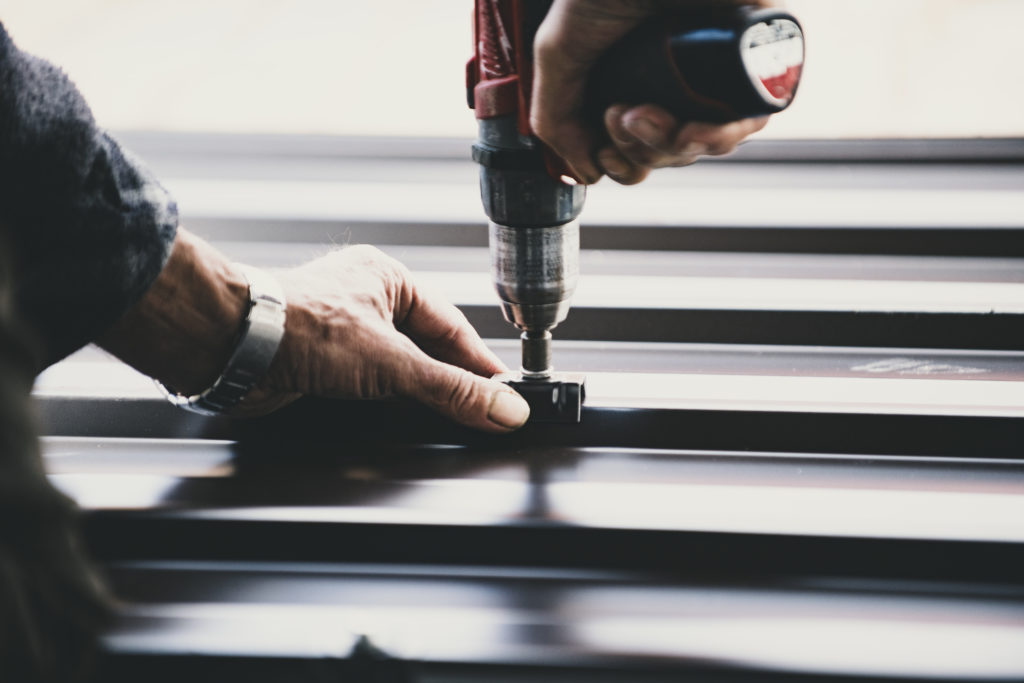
x: 773, y: 54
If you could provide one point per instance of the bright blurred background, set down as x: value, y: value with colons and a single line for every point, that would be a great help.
x: 875, y: 68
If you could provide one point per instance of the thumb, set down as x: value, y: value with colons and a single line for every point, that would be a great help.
x: 469, y: 399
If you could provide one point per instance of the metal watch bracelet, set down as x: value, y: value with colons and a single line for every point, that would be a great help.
x: 259, y: 337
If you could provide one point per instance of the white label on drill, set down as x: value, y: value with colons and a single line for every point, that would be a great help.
x: 773, y: 54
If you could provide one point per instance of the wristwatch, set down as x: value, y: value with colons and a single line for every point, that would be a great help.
x: 258, y: 339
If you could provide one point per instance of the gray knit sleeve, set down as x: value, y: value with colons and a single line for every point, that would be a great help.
x: 88, y: 227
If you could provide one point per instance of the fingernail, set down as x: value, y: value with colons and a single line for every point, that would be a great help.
x: 508, y: 409
x: 645, y: 131
x: 616, y: 126
x: 579, y: 178
x: 589, y: 178
x: 616, y: 111
x: 695, y: 149
x: 613, y: 166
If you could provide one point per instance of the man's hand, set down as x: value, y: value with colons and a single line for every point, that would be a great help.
x: 357, y: 326
x: 640, y: 138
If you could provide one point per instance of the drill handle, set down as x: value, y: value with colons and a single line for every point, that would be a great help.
x: 718, y: 66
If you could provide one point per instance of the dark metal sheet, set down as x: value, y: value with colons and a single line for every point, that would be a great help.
x: 969, y: 241
x: 980, y: 330
x: 565, y: 621
x: 513, y: 505
x: 678, y: 491
x: 333, y: 422
x: 631, y: 260
x: 160, y: 535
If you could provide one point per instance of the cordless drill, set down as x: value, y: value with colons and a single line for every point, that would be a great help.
x: 715, y: 64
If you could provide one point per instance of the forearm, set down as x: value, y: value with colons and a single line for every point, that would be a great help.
x: 184, y: 328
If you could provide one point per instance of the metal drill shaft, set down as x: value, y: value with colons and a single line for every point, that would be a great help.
x: 536, y: 354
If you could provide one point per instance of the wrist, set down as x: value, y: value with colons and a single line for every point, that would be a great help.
x: 185, y: 328
x: 255, y: 348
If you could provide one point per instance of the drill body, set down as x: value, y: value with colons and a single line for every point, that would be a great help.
x: 716, y: 64
x: 533, y: 212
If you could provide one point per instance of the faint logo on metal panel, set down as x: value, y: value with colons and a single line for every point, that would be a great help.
x: 911, y: 366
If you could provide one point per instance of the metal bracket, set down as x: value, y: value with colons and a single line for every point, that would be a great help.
x: 558, y: 398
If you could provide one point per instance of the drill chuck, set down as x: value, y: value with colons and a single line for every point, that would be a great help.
x: 535, y: 272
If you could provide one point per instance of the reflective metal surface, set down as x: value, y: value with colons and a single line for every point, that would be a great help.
x: 566, y: 558
x: 800, y: 457
x: 564, y: 620
x: 671, y: 490
x: 535, y: 272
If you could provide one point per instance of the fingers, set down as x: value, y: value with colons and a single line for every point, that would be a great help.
x: 554, y: 118
x: 438, y: 370
x: 570, y: 39
x: 568, y: 43
x: 717, y: 139
x: 469, y: 399
x: 572, y: 143
x: 647, y: 137
x: 262, y: 401
x: 441, y: 329
x: 359, y: 327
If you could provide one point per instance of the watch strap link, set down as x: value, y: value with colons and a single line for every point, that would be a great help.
x: 260, y: 335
